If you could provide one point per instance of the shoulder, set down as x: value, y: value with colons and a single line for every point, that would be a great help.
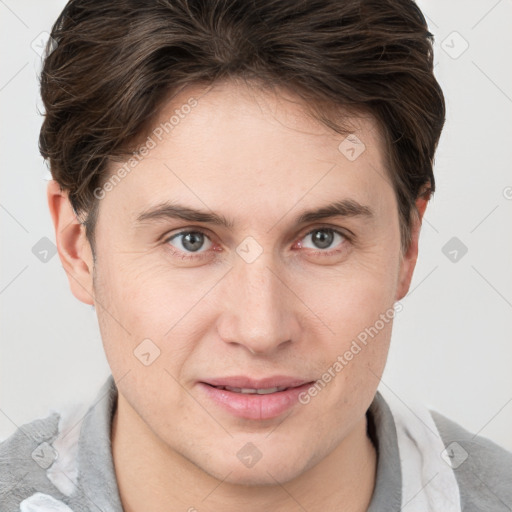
x: 32, y: 457
x: 25, y: 455
x: 483, y: 469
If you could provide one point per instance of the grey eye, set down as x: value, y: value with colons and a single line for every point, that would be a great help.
x: 191, y: 241
x: 323, y: 238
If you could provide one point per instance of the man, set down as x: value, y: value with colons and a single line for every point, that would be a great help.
x: 238, y: 189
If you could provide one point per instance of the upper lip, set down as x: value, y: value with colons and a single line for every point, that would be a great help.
x: 241, y: 381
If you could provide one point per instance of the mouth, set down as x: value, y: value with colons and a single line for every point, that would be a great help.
x: 255, y: 399
x: 253, y: 391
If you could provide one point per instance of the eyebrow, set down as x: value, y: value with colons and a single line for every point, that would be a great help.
x: 169, y: 210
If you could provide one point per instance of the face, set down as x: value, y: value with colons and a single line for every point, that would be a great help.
x: 255, y: 291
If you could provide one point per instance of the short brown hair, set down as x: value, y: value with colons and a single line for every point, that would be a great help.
x: 117, y: 62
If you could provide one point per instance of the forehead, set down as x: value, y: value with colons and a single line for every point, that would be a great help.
x: 239, y: 149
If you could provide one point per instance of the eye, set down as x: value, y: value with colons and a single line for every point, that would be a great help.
x: 189, y: 241
x: 195, y: 244
x: 324, y: 238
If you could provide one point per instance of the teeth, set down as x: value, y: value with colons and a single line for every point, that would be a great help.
x: 252, y: 391
x: 266, y: 391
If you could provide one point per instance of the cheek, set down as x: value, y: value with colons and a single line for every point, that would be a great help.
x: 358, y: 309
x: 353, y: 297
x: 147, y: 309
x: 140, y: 297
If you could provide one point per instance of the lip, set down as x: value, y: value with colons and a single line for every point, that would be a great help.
x: 242, y: 381
x: 255, y: 406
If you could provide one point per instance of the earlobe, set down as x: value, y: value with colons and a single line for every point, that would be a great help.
x: 72, y: 244
x: 409, y: 259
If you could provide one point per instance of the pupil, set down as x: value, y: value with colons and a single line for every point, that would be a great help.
x: 323, y: 238
x: 193, y: 241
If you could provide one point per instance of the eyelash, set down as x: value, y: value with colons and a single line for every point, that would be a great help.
x: 201, y: 255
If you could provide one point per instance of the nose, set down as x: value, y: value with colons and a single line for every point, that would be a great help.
x: 257, y: 313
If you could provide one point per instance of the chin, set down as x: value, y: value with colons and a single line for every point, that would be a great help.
x: 259, y: 477
x: 278, y: 468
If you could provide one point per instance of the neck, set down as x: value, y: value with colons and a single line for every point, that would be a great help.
x: 151, y: 476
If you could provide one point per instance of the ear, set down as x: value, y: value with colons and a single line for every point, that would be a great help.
x: 408, y: 260
x: 72, y: 244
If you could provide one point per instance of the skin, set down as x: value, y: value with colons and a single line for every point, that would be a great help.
x: 258, y: 159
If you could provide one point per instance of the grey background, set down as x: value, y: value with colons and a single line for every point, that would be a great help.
x: 451, y: 346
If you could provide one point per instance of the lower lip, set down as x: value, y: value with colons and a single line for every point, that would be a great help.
x: 254, y: 406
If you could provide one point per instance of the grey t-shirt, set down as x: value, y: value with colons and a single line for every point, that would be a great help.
x: 68, y: 465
